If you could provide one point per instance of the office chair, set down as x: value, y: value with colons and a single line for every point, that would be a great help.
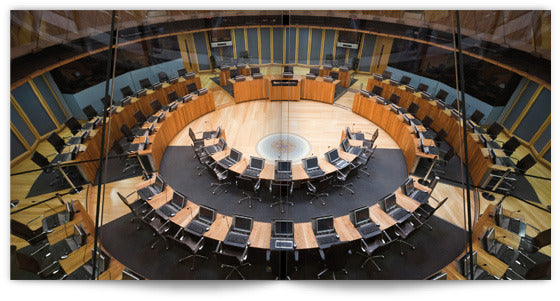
x: 426, y: 211
x: 57, y: 142
x: 494, y: 130
x: 455, y: 103
x: 427, y: 121
x: 370, y: 246
x: 440, y: 137
x: 36, y: 259
x: 525, y: 164
x: 198, y: 144
x: 387, y: 74
x: 90, y: 112
x: 219, y: 174
x: 130, y: 134
x: 172, y: 96
x: 405, y: 80
x: 106, y: 101
x: 23, y: 231
x: 129, y: 162
x: 44, y: 164
x: 145, y: 83
x: 511, y: 145
x: 413, y: 108
x: 255, y: 70
x: 533, y: 245
x: 192, y: 88
x: 231, y: 258
x: 377, y: 90
x: 288, y: 69
x: 395, y: 99
x: 275, y: 263
x: 127, y: 91
x: 315, y: 187
x: 314, y: 70
x: 193, y: 245
x: 335, y: 259
x: 163, y: 77
x: 334, y: 75
x: 393, y: 234
x: 181, y: 72
x: 233, y: 73
x: 156, y: 105
x: 441, y: 95
x: 159, y: 226
x: 342, y: 176
x: 73, y: 125
x: 477, y: 116
x: 362, y: 162
x: 139, y: 209
x: 281, y: 191
x: 248, y: 185
x: 368, y: 144
x: 422, y: 88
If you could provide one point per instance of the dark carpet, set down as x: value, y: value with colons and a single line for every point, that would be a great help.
x: 452, y: 175
x: 118, y: 169
x: 387, y: 169
x: 228, y: 88
x: 42, y: 184
x: 434, y: 250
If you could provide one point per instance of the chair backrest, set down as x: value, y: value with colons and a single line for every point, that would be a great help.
x: 126, y: 131
x: 245, y: 184
x: 433, y: 183
x: 191, y: 88
x: 117, y: 147
x: 163, y: 77
x: 441, y: 135
x: 542, y: 239
x: 477, y: 116
x: 455, y: 103
x: 374, y: 136
x: 74, y: 125
x: 289, y: 69
x: 145, y: 83
x: 427, y: 121
x: 395, y: 98
x: 156, y: 105
x: 413, y: 108
x: 39, y: 159
x: 125, y: 201
x: 172, y: 96
x: 181, y: 72
x: 422, y: 87
x: 57, y: 142
x: 126, y: 91
x: 139, y: 116
x: 494, y: 130
x: 449, y: 154
x: 511, y: 145
x: 192, y: 134
x: 525, y: 163
x: 442, y: 94
x: 336, y: 256
x: 227, y: 259
x: 255, y: 70
x: 314, y: 70
x: 405, y: 80
x: 334, y: 75
x: 233, y: 73
x: 377, y: 90
x: 90, y: 112
x: 387, y: 74
x: 106, y: 101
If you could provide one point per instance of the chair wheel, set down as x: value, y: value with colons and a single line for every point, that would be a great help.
x: 138, y: 228
x: 152, y: 247
x: 180, y: 260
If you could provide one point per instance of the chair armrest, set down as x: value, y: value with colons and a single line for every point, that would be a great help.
x: 218, y: 247
x: 258, y: 184
x: 200, y: 244
x: 322, y: 254
x: 163, y: 225
x: 148, y: 213
x: 245, y: 251
x: 296, y: 256
x: 267, y: 255
x: 291, y: 187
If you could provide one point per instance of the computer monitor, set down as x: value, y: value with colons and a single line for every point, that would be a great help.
x: 256, y: 163
x: 178, y: 200
x: 488, y: 239
x: 394, y: 108
x: 75, y: 151
x: 360, y: 216
x: 160, y: 183
x: 388, y: 202
x: 282, y: 228
x: 463, y: 263
x: 408, y: 186
x: 151, y: 128
x: 206, y: 214
x: 324, y: 224
x: 393, y: 82
x: 456, y: 115
x: 242, y: 223
x: 235, y: 155
x: 345, y: 144
x: 284, y: 166
x: 310, y: 163
x: 332, y: 155
x: 173, y: 80
x: 426, y: 95
x: 84, y: 136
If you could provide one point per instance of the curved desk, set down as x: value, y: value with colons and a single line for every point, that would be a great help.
x: 480, y: 165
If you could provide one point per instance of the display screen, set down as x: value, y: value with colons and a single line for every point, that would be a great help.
x: 325, y: 224
x: 242, y: 223
x: 284, y: 165
x: 257, y: 163
x: 283, y: 227
x: 312, y: 162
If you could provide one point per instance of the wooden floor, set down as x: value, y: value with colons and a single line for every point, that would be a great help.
x: 245, y: 124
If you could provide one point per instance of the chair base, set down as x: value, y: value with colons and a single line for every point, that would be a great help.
x: 363, y: 170
x: 218, y: 185
x: 157, y: 241
x: 193, y: 256
x: 235, y: 269
x: 281, y: 202
x: 249, y: 198
x: 317, y: 196
x: 345, y: 186
x: 372, y: 260
x: 333, y: 273
x: 402, y: 242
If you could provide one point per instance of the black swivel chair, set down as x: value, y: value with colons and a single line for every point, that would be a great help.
x: 315, y: 189
x: 363, y: 160
x: 140, y: 118
x: 288, y: 69
x: 172, y: 96
x: 368, y: 144
x: 477, y: 116
x: 533, y: 245
x: 442, y: 95
x: 156, y: 105
x: 440, y: 137
x: 57, y: 142
x: 73, y: 125
x: 127, y: 91
x: 427, y: 121
x: 405, y: 80
x: 145, y: 83
x: 334, y: 75
x: 387, y: 74
x: 255, y: 70
x: 232, y: 258
x: 189, y: 241
x: 220, y: 174
x: 426, y: 211
x: 90, y: 112
x: 163, y: 77
x: 395, y: 99
x: 248, y: 185
x: 281, y: 191
x: 413, y: 108
x: 139, y: 209
x: 525, y: 164
x: 377, y: 90
x: 511, y: 145
x: 160, y: 227
x: 422, y: 88
x: 456, y: 103
x: 233, y: 73
x: 191, y: 88
x: 44, y: 164
x: 494, y: 130
x: 314, y: 70
x: 335, y: 259
x: 181, y: 72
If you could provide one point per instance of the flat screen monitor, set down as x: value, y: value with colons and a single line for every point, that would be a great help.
x: 483, y: 138
x: 311, y: 163
x: 463, y: 263
x: 283, y: 228
x: 256, y: 163
x: 408, y: 186
x: 284, y: 166
x: 235, y: 155
x: 325, y: 224
x: 393, y: 82
x: 206, y: 214
x: 178, y: 200
x: 159, y: 183
x: 364, y: 93
x: 173, y: 80
x: 332, y: 155
x: 425, y: 95
x: 242, y: 223
x: 394, y: 108
x: 388, y: 202
x: 361, y: 216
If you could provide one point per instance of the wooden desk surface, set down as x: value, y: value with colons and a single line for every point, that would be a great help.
x: 304, y: 238
x: 345, y: 229
x: 260, y: 235
x: 219, y: 229
x: 380, y: 217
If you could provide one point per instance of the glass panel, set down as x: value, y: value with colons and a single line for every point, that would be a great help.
x: 535, y: 117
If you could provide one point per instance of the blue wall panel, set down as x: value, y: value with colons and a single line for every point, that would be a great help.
x: 302, y: 47
x: 543, y: 139
x: 32, y: 107
x: 253, y: 43
x: 367, y: 52
x: 352, y: 54
x: 49, y: 99
x: 239, y: 41
x: 315, y: 54
x: 328, y: 46
x: 535, y: 117
x: 290, y: 45
x: 265, y: 45
x: 278, y: 45
x: 201, y: 51
x: 21, y: 126
x: 520, y: 105
x: 546, y: 155
x: 16, y: 146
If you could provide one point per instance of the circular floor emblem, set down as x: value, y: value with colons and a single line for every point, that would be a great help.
x: 283, y: 146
